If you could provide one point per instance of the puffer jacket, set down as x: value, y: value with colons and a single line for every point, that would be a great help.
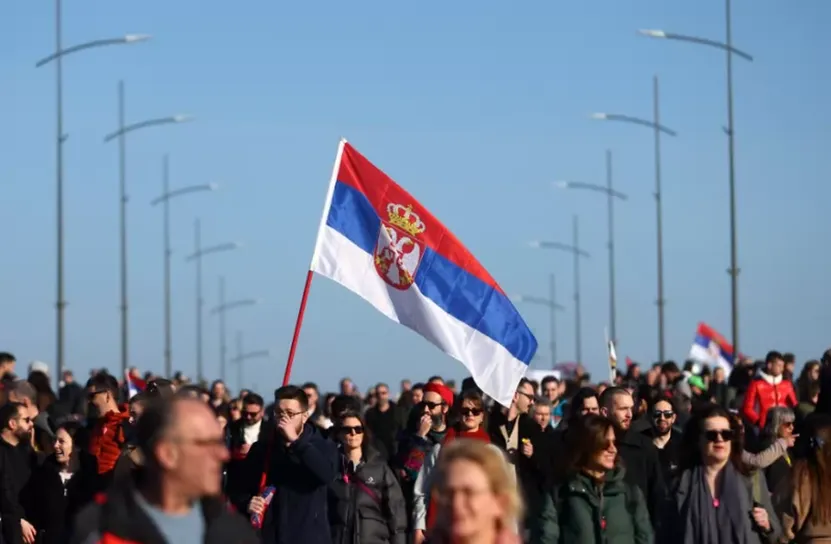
x: 582, y: 512
x: 366, y: 505
x: 764, y: 393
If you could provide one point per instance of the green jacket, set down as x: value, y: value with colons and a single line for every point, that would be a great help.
x: 580, y: 512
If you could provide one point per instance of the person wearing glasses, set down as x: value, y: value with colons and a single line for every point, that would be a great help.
x: 250, y: 428
x: 299, y: 463
x: 17, y: 459
x: 779, y: 426
x: 471, y: 424
x: 665, y: 437
x: 718, y: 498
x: 366, y: 504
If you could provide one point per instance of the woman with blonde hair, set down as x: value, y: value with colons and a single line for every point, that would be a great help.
x: 810, y: 517
x: 476, y: 492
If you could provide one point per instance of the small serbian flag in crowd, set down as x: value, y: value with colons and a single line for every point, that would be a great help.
x: 380, y: 243
x: 134, y: 385
x: 710, y: 347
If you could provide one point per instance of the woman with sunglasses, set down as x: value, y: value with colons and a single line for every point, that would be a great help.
x: 717, y: 500
x: 809, y: 517
x: 779, y: 425
x: 591, y: 501
x: 365, y: 501
x: 471, y: 424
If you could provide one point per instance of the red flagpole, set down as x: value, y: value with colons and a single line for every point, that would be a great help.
x: 297, y: 326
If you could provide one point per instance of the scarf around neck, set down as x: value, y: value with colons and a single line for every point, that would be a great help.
x: 703, y: 517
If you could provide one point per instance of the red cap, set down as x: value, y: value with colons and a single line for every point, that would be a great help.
x: 441, y: 390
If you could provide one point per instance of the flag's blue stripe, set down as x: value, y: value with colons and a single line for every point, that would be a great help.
x: 704, y: 342
x: 453, y: 289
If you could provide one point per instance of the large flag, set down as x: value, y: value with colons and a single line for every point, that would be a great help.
x: 380, y: 243
x: 710, y: 347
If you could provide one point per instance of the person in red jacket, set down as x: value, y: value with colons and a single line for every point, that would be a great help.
x: 769, y: 389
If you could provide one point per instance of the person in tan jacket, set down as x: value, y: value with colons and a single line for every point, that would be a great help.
x: 810, y: 518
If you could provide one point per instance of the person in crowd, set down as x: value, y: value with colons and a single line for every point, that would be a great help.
x: 808, y: 403
x: 809, y: 518
x: 471, y: 424
x: 366, y: 503
x: 717, y: 499
x: 58, y: 488
x: 219, y: 394
x: 639, y: 455
x: 418, y: 393
x: 766, y: 457
x: 160, y: 388
x: 251, y: 428
x: 108, y: 437
x: 665, y: 438
x: 515, y: 432
x: 17, y: 460
x: 552, y: 391
x: 427, y: 428
x: 7, y: 364
x: 23, y: 392
x: 300, y: 464
x: 317, y: 415
x: 175, y: 498
x: 808, y: 376
x: 779, y: 425
x: 585, y: 401
x: 768, y: 390
x: 718, y: 389
x: 71, y: 395
x: 788, y: 372
x: 46, y: 400
x: 542, y: 414
x: 592, y: 501
x: 382, y: 419
x: 477, y: 496
x: 404, y: 387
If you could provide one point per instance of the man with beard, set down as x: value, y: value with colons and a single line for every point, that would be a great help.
x: 639, y: 456
x: 665, y: 438
x: 300, y: 464
x: 16, y: 462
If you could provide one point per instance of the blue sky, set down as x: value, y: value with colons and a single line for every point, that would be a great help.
x: 475, y: 108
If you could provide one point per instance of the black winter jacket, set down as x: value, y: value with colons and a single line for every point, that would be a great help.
x: 301, y: 474
x: 366, y: 505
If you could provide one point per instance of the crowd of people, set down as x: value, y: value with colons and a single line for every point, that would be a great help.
x: 686, y: 455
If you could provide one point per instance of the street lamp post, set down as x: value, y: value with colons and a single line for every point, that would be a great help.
x: 220, y: 310
x: 657, y: 129
x: 727, y: 47
x: 197, y: 255
x: 576, y: 252
x: 164, y: 199
x: 121, y: 133
x: 57, y: 56
x: 243, y: 356
x: 553, y: 307
x: 611, y: 195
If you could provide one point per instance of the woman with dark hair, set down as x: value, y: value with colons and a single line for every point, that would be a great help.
x: 810, y: 517
x: 61, y: 486
x: 809, y: 375
x: 591, y: 501
x: 365, y: 501
x: 50, y: 411
x: 717, y: 499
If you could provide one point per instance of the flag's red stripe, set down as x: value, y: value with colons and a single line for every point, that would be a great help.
x: 709, y: 332
x: 356, y: 171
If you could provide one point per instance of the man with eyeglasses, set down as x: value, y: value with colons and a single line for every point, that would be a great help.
x: 16, y: 463
x: 665, y: 437
x: 299, y: 463
x: 109, y: 432
x: 175, y: 497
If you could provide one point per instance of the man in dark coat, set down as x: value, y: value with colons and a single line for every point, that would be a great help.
x: 639, y: 455
x: 16, y: 462
x: 300, y: 464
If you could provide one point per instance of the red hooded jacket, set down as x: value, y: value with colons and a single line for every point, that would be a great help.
x: 764, y: 393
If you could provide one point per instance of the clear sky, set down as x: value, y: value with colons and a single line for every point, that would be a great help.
x: 475, y: 108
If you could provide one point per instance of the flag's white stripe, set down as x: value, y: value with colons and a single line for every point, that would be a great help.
x: 702, y: 354
x: 495, y: 370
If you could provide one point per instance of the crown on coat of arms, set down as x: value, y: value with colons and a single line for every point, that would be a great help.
x: 404, y: 218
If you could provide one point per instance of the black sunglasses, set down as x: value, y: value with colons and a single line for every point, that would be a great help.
x: 431, y: 405
x: 471, y: 411
x: 246, y: 413
x: 666, y: 414
x: 724, y: 434
x: 357, y: 429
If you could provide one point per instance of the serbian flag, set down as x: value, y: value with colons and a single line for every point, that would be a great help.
x: 376, y: 240
x: 134, y: 385
x: 712, y: 348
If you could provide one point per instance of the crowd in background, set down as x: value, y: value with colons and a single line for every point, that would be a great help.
x: 663, y: 454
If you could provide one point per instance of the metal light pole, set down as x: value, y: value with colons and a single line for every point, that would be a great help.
x: 121, y: 134
x: 553, y: 307
x: 57, y: 56
x: 576, y: 252
x: 164, y: 199
x: 243, y: 356
x: 197, y: 256
x: 657, y: 129
x: 220, y: 310
x: 611, y: 195
x: 726, y: 46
